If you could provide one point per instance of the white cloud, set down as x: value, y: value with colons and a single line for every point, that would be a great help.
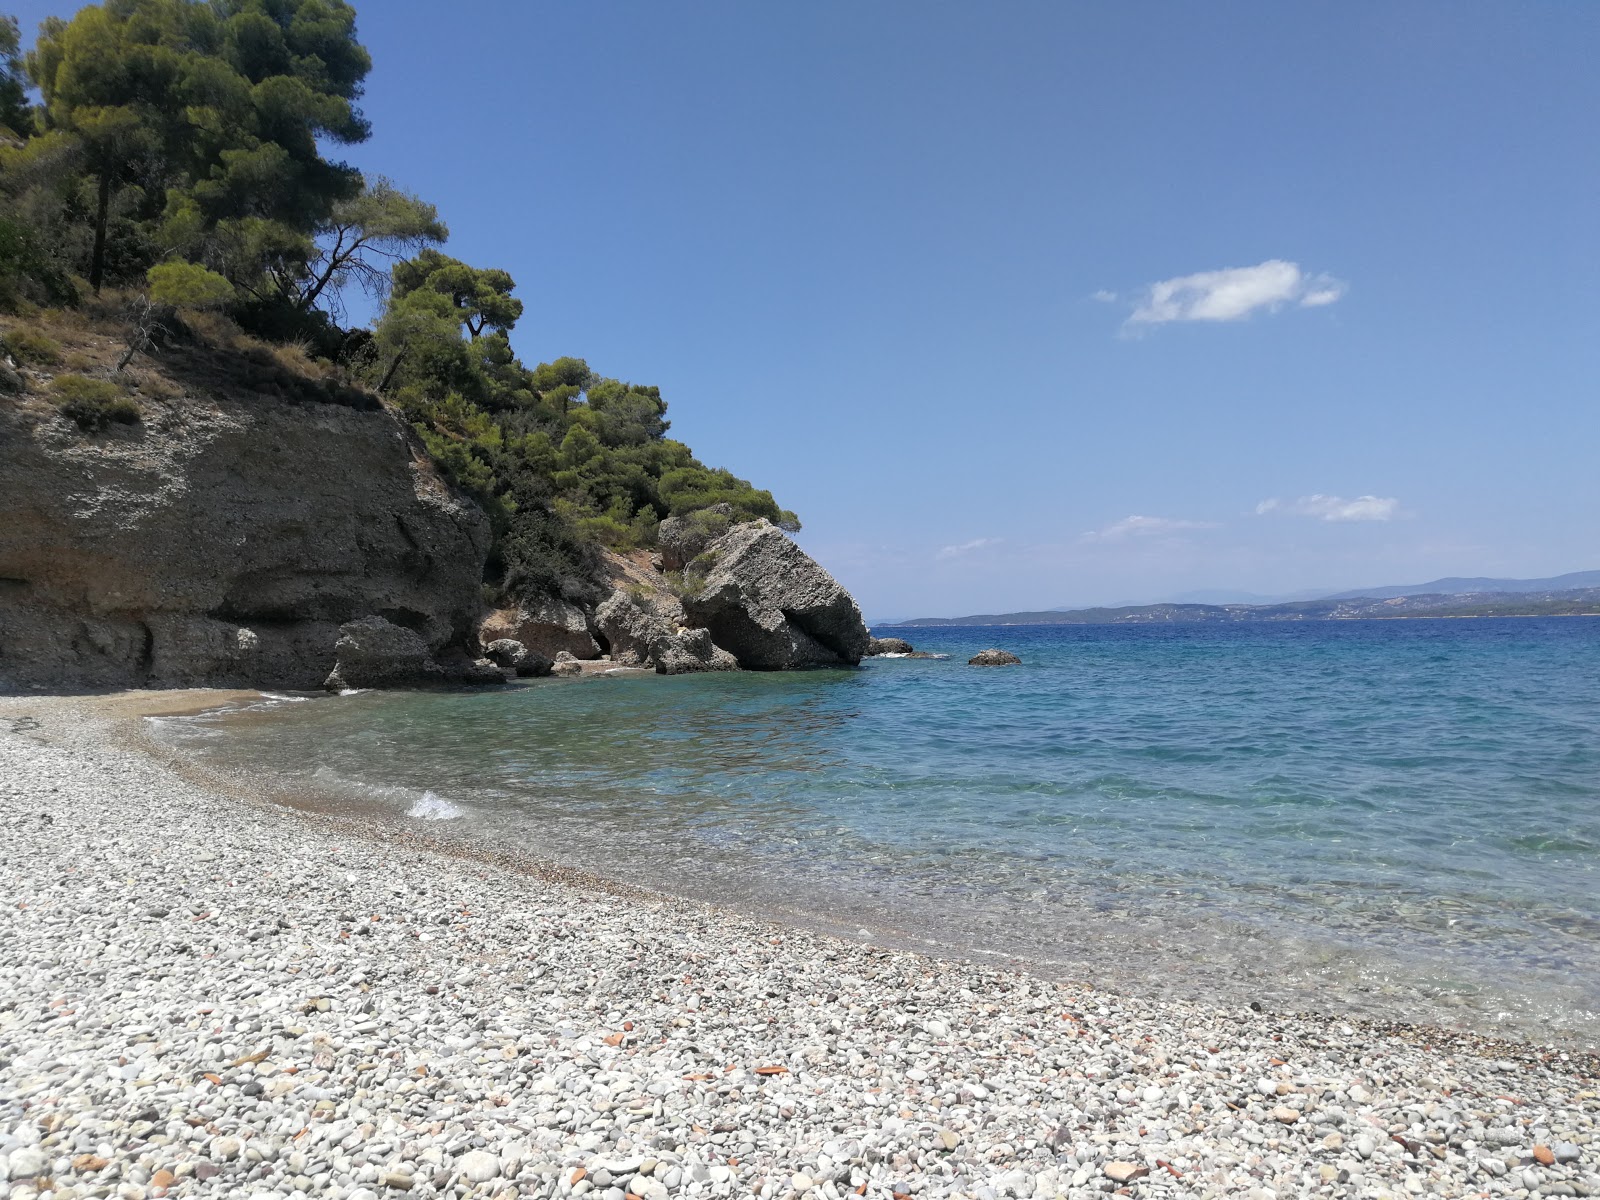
x: 1104, y: 296
x: 967, y: 547
x: 1334, y: 508
x: 1234, y: 293
x: 1137, y: 526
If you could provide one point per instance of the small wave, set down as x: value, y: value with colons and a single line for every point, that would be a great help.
x: 284, y: 699
x: 431, y: 806
x: 353, y: 691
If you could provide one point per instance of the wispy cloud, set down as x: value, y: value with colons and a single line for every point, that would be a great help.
x: 1136, y: 526
x: 1104, y: 297
x: 967, y: 547
x: 1234, y: 293
x: 1334, y: 508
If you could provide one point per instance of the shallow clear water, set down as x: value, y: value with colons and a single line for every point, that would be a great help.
x: 1397, y: 818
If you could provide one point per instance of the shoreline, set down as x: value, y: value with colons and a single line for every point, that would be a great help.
x: 418, y: 1000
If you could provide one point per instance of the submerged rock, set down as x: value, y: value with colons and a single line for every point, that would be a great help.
x: 993, y: 658
x: 769, y: 604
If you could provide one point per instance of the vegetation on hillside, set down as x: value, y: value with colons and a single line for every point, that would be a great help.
x: 170, y: 153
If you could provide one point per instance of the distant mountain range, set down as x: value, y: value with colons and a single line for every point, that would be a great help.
x: 1564, y: 595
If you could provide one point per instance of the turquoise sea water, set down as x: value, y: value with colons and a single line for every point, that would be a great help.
x: 1393, y: 818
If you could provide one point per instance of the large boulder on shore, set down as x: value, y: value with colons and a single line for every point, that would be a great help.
x: 511, y: 655
x: 765, y: 601
x: 545, y: 627
x: 640, y: 635
x: 376, y: 653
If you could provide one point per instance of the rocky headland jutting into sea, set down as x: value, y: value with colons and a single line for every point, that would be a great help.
x: 241, y: 542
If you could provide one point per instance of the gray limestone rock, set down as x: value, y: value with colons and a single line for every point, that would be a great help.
x: 641, y: 635
x: 375, y: 653
x: 224, y: 544
x: 682, y: 539
x: 546, y: 627
x: 888, y: 645
x: 993, y: 658
x: 764, y: 600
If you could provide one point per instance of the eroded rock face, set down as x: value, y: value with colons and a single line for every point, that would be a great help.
x: 547, y: 628
x: 769, y: 604
x: 222, y: 543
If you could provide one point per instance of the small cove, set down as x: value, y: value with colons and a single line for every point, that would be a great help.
x: 1396, y: 819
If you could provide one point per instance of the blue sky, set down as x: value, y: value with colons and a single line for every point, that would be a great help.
x: 1031, y: 304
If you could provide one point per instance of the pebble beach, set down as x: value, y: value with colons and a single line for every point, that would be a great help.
x: 206, y: 993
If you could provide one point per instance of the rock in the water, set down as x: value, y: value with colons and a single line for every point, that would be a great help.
x: 640, y: 635
x: 565, y: 663
x: 632, y: 627
x: 545, y: 627
x: 888, y: 645
x: 764, y: 600
x: 682, y: 539
x: 691, y: 650
x: 993, y: 658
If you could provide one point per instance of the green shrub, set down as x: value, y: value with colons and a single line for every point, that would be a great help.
x: 188, y: 285
x: 93, y: 403
x: 32, y: 346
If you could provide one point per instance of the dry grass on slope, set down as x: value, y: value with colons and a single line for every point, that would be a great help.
x: 72, y: 361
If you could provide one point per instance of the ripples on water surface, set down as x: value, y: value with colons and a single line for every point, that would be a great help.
x: 1391, y: 817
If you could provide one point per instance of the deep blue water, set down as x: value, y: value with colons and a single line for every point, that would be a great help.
x: 1399, y: 818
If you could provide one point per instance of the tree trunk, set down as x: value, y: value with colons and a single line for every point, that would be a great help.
x: 97, y: 261
x: 389, y: 374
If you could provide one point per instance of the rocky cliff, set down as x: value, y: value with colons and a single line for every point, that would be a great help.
x: 225, y: 541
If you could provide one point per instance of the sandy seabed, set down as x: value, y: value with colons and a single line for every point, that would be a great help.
x: 206, y: 993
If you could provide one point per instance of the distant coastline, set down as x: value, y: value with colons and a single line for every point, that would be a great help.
x: 1576, y: 602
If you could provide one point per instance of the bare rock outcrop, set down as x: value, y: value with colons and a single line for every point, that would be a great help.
x: 642, y: 635
x: 224, y: 542
x: 511, y: 655
x: 682, y: 539
x: 765, y: 601
x: 546, y: 627
x: 888, y: 645
x: 994, y: 658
